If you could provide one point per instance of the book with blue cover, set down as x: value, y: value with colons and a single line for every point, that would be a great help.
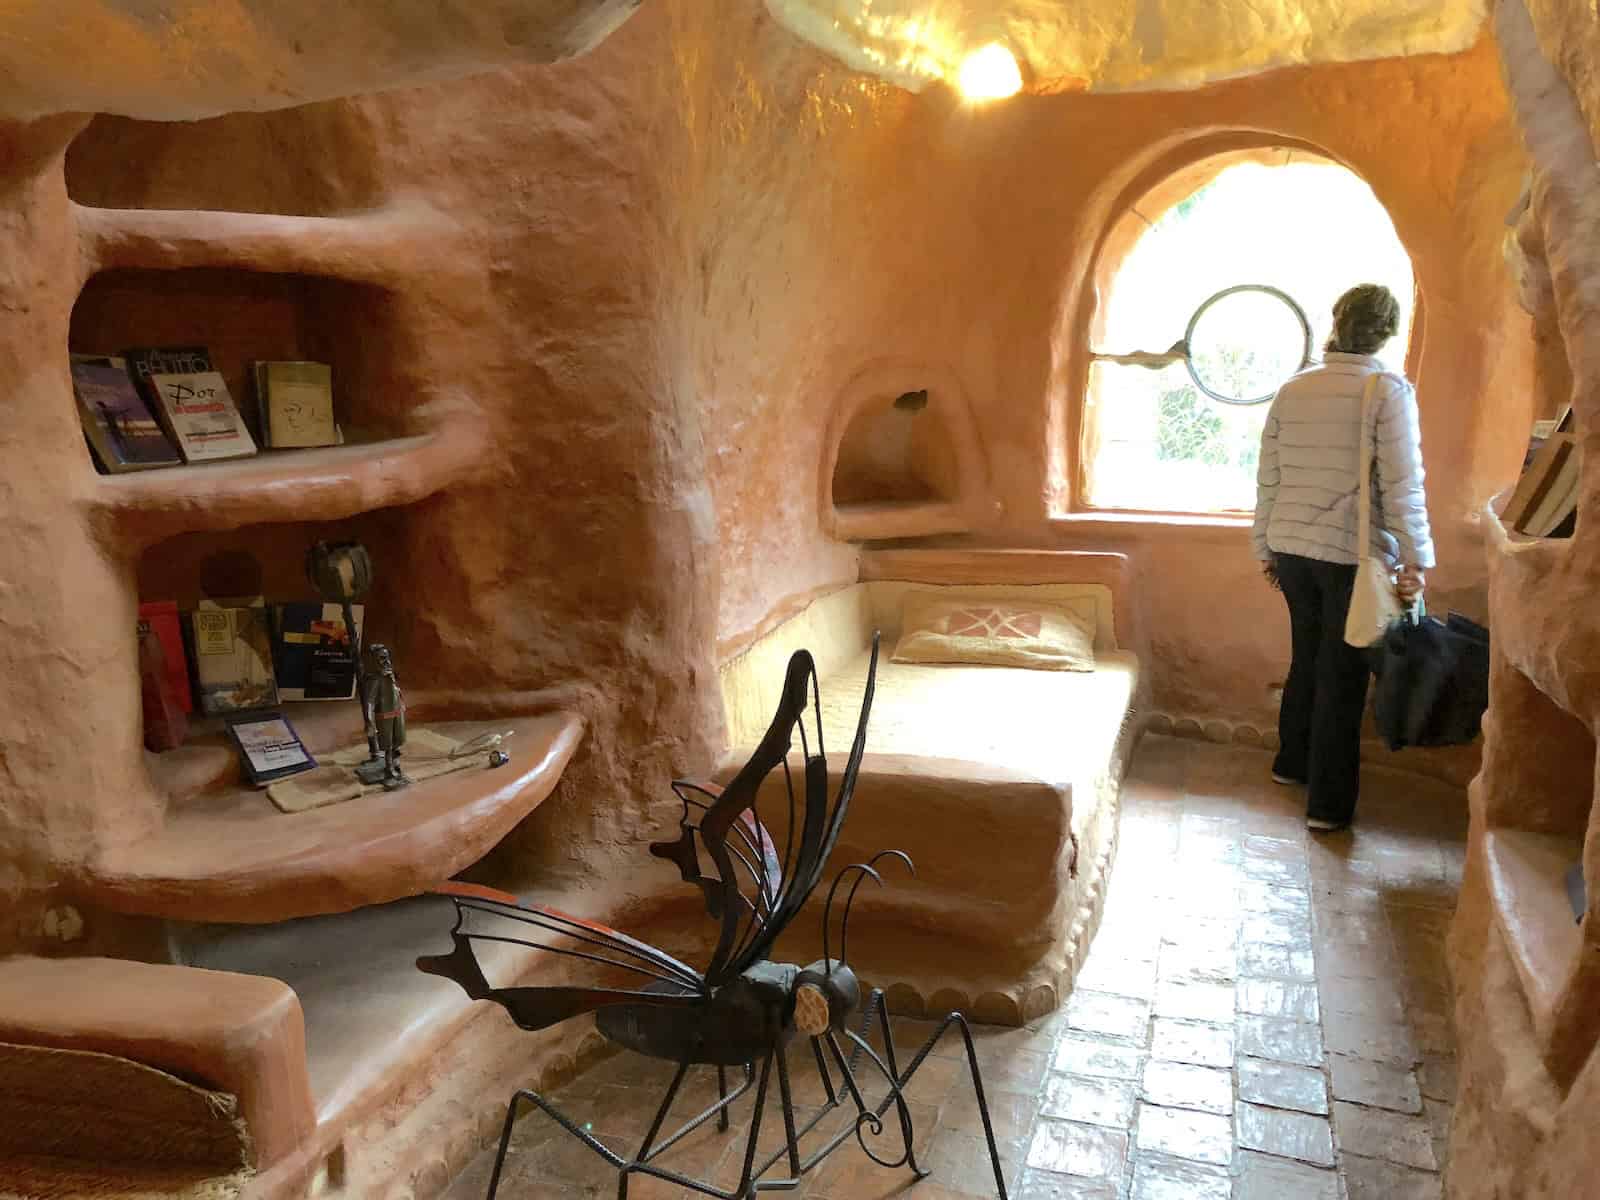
x: 313, y: 654
x: 122, y: 430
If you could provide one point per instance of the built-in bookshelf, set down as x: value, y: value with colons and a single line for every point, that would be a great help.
x: 327, y: 288
x: 1535, y: 832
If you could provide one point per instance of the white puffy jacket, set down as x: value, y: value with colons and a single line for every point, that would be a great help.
x: 1310, y: 458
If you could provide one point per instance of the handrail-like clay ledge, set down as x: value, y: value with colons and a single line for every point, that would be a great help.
x: 385, y: 247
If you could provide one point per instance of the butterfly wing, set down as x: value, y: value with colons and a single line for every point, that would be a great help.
x: 641, y: 973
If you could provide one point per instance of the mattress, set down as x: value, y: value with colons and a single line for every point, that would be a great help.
x: 1057, y: 727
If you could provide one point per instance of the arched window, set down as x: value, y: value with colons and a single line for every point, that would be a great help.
x: 1285, y: 218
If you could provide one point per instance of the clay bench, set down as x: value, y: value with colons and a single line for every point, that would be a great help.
x: 1001, y: 783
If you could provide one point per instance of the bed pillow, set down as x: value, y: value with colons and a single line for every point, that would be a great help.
x: 993, y: 631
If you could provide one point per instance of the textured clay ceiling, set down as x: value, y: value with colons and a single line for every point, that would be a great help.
x: 177, y: 59
x: 1113, y: 45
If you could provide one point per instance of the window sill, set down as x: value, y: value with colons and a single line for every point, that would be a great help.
x: 1113, y: 518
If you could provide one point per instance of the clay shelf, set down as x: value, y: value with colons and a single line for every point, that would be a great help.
x: 279, y: 486
x: 880, y: 521
x: 226, y: 854
x: 387, y: 246
x: 1527, y: 879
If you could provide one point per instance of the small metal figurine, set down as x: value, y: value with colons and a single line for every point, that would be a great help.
x: 388, y: 709
x: 342, y: 574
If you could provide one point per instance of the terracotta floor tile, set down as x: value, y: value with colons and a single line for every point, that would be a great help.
x: 1262, y: 1177
x: 1277, y: 998
x: 1378, y: 1133
x: 1379, y: 998
x: 1372, y: 1179
x: 1183, y: 1133
x: 1107, y: 1060
x: 1183, y: 1085
x: 1282, y: 1085
x: 1276, y: 962
x: 1192, y: 1042
x: 1047, y: 1185
x: 1283, y: 1134
x: 1297, y: 1042
x: 1010, y: 1113
x: 1371, y: 1038
x: 1119, y: 976
x: 1069, y: 1148
x: 1379, y: 1085
x: 1194, y: 964
x: 1124, y: 1018
x: 1211, y: 1002
x: 1090, y: 1100
x: 1158, y: 1177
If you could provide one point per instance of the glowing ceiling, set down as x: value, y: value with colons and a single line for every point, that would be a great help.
x: 1115, y: 45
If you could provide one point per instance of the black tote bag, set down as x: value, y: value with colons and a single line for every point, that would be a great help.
x: 1433, y: 681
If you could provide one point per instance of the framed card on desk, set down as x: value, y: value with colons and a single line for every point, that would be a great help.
x: 269, y: 748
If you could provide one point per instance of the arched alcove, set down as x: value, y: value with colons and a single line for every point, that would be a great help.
x: 1220, y: 215
x: 902, y: 457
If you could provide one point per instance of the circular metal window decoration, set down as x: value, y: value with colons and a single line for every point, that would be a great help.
x: 1244, y: 342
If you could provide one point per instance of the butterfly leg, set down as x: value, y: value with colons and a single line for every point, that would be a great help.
x: 559, y: 1117
x: 655, y: 1128
x: 745, y: 1188
x: 788, y: 1112
x: 896, y: 1084
x: 822, y: 1070
x: 960, y: 1022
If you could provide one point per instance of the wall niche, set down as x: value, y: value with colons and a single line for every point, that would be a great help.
x: 902, y: 458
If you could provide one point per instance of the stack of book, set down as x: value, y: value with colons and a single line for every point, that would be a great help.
x: 237, y: 655
x: 162, y: 406
x: 1544, y: 503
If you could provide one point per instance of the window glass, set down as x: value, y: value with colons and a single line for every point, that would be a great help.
x: 1310, y: 227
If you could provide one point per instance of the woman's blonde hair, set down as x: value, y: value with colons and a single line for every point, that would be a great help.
x: 1364, y: 318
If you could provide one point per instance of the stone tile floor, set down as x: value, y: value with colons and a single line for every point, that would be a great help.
x: 1264, y: 1015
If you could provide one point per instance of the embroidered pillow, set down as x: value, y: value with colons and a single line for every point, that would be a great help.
x: 993, y: 632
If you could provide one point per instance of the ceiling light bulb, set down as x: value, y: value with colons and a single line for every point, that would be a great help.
x: 989, y: 73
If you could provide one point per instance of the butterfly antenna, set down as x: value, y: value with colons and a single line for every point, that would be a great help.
x: 862, y: 870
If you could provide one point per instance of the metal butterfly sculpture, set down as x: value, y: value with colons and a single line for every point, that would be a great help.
x: 743, y: 1009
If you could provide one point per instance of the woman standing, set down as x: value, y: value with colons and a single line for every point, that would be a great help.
x: 1305, y: 534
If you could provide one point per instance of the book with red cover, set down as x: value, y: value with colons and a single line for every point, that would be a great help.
x: 162, y: 617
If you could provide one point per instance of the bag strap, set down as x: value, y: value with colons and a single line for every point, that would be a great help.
x: 1364, y: 482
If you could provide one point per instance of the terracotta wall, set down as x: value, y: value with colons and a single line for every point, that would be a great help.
x: 962, y: 239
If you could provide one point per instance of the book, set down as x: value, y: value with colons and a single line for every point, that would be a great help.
x: 1532, y: 489
x: 201, y: 416
x: 269, y: 748
x: 1561, y: 497
x: 145, y: 361
x: 162, y: 618
x: 233, y: 656
x: 313, y: 653
x: 122, y: 430
x: 165, y: 726
x: 295, y: 404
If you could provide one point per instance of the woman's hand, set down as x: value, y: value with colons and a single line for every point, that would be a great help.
x: 1409, y: 582
x: 1269, y: 570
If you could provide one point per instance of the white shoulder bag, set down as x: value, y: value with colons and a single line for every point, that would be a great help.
x: 1375, y: 601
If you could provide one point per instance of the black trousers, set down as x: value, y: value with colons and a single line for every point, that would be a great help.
x: 1319, y: 723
